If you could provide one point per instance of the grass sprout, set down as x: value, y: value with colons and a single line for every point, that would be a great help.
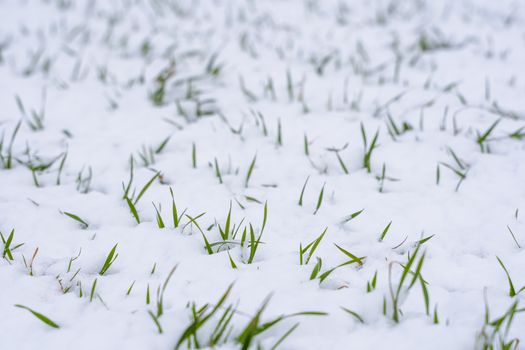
x: 110, y: 259
x: 82, y: 222
x: 306, y: 252
x: 512, y: 291
x: 40, y: 316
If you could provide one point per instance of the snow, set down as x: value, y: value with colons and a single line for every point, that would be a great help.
x: 447, y: 70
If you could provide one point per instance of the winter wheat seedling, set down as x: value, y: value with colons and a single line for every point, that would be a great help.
x: 309, y: 249
x: 319, y: 200
x: 160, y: 222
x: 8, y: 250
x: 481, y: 139
x: 368, y: 150
x: 110, y: 259
x: 217, y: 171
x: 371, y: 285
x: 385, y: 231
x: 193, y: 155
x: 512, y: 290
x: 513, y: 237
x: 133, y: 210
x: 145, y: 188
x: 302, y: 192
x: 176, y: 217
x: 354, y: 315
x: 41, y: 317
x: 250, y: 170
x: 352, y: 216
x: 6, y: 160
x: 83, y: 223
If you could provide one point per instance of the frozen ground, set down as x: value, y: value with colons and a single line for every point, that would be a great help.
x: 251, y: 103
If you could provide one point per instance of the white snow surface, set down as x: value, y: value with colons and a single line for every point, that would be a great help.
x: 245, y: 79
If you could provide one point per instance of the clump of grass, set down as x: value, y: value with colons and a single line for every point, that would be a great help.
x: 255, y: 326
x: 482, y: 138
x: 494, y: 333
x: 110, y: 259
x: 309, y: 250
x: 210, y: 317
x: 404, y: 285
x: 201, y: 317
x: 8, y: 249
x: 40, y: 316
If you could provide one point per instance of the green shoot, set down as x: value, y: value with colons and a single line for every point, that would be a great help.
x: 194, y: 155
x: 310, y: 249
x: 110, y: 259
x: 93, y: 288
x: 319, y: 199
x: 368, y: 150
x: 176, y: 217
x: 128, y: 292
x: 83, y: 223
x: 481, y: 139
x: 217, y: 171
x: 250, y: 170
x: 145, y: 188
x: 385, y: 231
x: 512, y: 290
x: 352, y: 216
x: 160, y: 222
x: 302, y: 192
x: 371, y: 285
x: 353, y: 314
x: 41, y: 317
x: 133, y: 210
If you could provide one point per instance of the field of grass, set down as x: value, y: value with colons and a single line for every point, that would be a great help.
x: 280, y: 174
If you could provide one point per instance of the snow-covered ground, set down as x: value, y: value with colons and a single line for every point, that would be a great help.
x: 346, y: 174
